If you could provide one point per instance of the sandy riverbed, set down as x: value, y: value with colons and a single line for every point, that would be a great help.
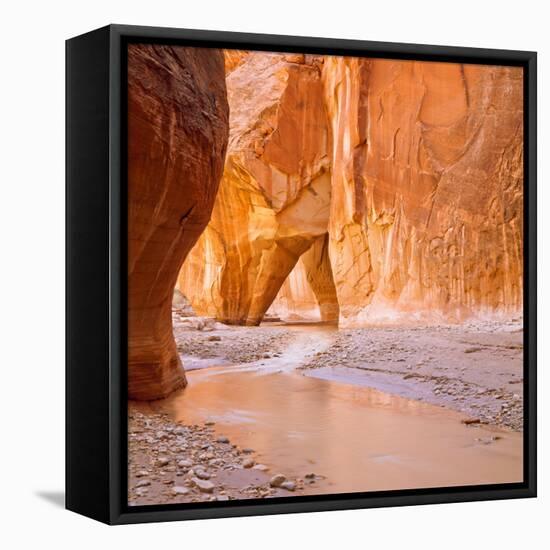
x: 289, y: 400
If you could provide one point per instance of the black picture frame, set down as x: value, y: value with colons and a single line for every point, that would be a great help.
x: 96, y: 302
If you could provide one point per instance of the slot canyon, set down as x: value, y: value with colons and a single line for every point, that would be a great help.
x: 358, y: 221
x: 412, y: 172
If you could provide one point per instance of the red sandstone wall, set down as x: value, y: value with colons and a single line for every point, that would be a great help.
x: 177, y: 137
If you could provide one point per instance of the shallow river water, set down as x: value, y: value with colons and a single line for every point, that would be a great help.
x: 357, y: 438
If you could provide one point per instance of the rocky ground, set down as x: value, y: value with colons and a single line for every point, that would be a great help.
x: 476, y: 368
x: 172, y: 463
x: 203, y: 338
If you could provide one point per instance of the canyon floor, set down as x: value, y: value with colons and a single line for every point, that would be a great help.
x: 288, y: 409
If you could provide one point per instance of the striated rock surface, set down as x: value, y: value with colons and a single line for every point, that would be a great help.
x: 274, y: 196
x: 407, y: 176
x: 233, y: 58
x: 177, y: 137
x: 427, y: 202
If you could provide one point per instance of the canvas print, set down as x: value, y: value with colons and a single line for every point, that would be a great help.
x: 325, y: 274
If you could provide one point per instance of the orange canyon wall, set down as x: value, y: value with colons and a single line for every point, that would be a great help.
x: 388, y: 190
x: 177, y: 137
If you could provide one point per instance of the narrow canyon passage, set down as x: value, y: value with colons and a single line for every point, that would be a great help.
x: 348, y: 279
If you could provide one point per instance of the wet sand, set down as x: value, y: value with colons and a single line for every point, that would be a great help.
x: 311, y: 409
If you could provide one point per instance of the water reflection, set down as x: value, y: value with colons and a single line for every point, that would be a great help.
x: 359, y: 438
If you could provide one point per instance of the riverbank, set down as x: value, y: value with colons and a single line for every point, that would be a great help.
x: 324, y: 410
x: 171, y: 462
x: 475, y: 368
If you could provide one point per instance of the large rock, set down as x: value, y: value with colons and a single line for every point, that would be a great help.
x: 177, y: 137
x: 426, y: 213
x: 274, y: 197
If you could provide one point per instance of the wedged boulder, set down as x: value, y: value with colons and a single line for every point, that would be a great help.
x: 177, y: 138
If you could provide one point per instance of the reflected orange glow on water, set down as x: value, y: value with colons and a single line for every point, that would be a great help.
x: 359, y: 438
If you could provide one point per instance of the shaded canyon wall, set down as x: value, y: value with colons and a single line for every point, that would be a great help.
x: 388, y: 190
x: 177, y: 137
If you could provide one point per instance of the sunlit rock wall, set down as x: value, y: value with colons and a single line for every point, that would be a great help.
x: 308, y: 293
x: 415, y: 169
x: 177, y: 136
x: 274, y: 196
x: 427, y: 168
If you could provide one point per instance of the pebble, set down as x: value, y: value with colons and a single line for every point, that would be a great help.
x: 179, y: 490
x: 202, y: 474
x: 288, y: 485
x: 185, y: 463
x: 277, y: 480
x: 261, y: 467
x: 162, y: 461
x: 143, y: 483
x: 248, y: 463
x: 203, y: 486
x: 469, y: 421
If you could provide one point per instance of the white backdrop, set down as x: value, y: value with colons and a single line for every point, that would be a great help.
x: 32, y: 287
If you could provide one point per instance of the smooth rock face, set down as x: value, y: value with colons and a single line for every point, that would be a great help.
x: 427, y: 202
x: 177, y: 137
x: 274, y: 197
x: 397, y: 185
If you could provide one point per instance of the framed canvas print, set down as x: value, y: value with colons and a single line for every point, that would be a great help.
x: 300, y: 274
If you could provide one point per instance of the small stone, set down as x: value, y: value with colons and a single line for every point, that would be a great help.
x: 470, y: 421
x: 288, y: 485
x: 162, y: 461
x: 203, y: 486
x: 277, y: 480
x: 143, y: 483
x: 248, y: 463
x: 214, y: 339
x: 248, y: 450
x: 185, y: 463
x: 179, y: 490
x: 209, y: 423
x: 310, y: 476
x: 222, y: 498
x: 261, y: 467
x: 142, y: 473
x: 222, y: 439
x: 202, y: 474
